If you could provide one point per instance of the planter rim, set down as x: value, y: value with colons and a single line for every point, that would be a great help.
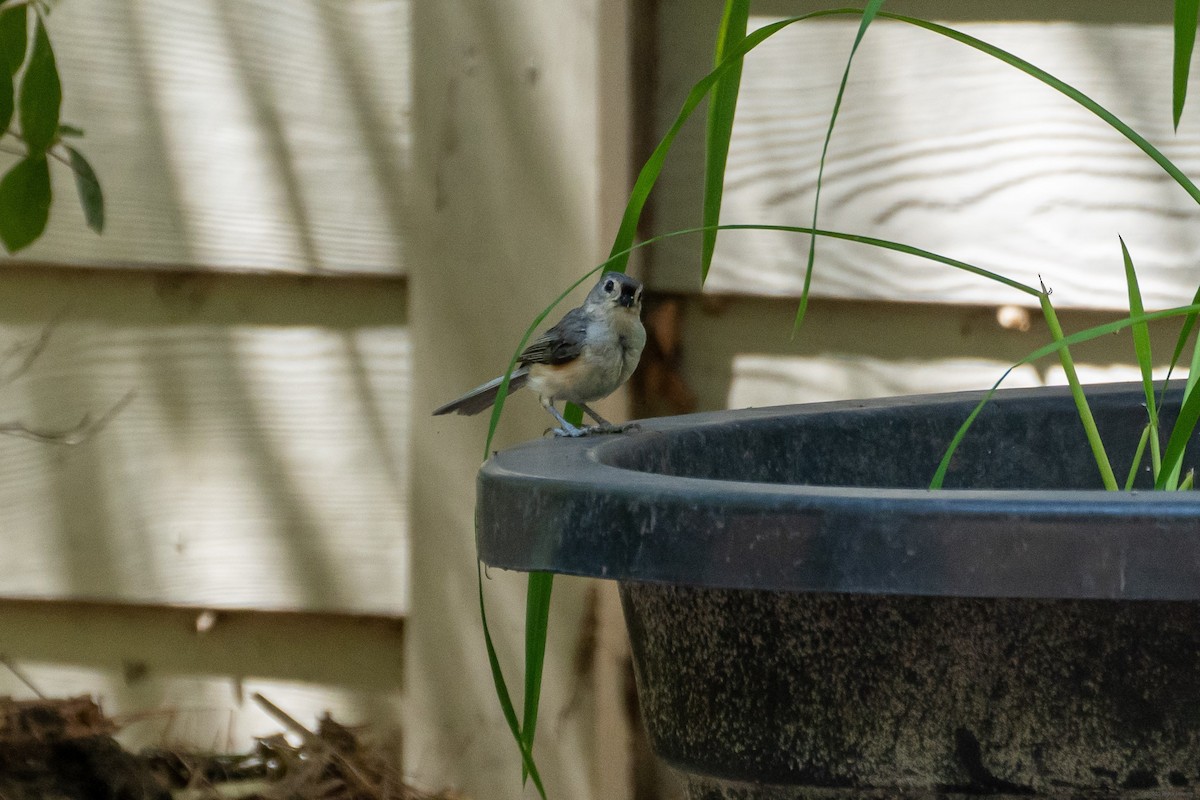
x: 561, y: 505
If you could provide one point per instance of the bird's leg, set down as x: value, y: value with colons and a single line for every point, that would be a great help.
x: 567, y: 428
x: 605, y: 426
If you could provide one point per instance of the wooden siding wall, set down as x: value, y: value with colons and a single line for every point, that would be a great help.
x: 519, y: 172
x: 294, y: 273
x: 247, y: 135
x: 249, y: 299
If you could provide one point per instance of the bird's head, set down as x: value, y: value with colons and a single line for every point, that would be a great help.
x: 617, y: 289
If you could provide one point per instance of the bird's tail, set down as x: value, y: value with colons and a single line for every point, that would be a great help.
x: 482, y: 397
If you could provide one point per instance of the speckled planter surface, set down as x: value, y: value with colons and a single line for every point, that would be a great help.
x: 808, y: 621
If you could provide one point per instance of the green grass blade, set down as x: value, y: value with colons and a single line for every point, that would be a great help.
x: 1138, y: 455
x: 1188, y: 311
x: 1141, y: 347
x: 1097, y: 331
x: 884, y: 244
x: 1185, y: 332
x: 722, y: 107
x: 648, y: 176
x: 1081, y: 403
x: 1187, y: 12
x: 1190, y: 388
x: 868, y: 15
x: 1053, y: 348
x: 870, y: 241
x: 506, y: 704
x: 1189, y: 481
x: 537, y: 624
x: 573, y: 414
x: 1185, y: 424
x: 939, y: 475
x: 538, y: 596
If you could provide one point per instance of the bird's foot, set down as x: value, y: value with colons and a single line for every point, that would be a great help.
x: 588, y: 430
x: 569, y: 430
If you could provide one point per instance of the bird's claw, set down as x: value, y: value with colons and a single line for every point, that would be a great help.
x: 588, y: 430
x: 571, y: 432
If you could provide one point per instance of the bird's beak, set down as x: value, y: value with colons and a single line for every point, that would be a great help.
x: 627, y: 296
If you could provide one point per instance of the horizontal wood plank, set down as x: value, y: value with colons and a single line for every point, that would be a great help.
x: 739, y: 352
x: 942, y: 148
x: 236, y: 136
x: 261, y: 458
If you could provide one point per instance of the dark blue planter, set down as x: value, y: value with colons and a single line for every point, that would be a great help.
x: 807, y: 619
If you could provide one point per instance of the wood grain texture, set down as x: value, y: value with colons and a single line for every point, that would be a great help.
x: 760, y: 381
x: 518, y: 175
x: 260, y: 463
x: 943, y: 148
x: 248, y: 135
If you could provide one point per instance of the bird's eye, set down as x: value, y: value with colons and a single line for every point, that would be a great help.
x: 608, y: 285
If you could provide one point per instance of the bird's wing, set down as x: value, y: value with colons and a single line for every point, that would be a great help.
x: 560, y: 344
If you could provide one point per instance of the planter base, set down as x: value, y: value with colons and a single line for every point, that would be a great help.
x: 699, y: 787
x: 759, y: 694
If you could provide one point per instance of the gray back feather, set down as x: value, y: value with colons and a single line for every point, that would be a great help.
x: 559, y: 344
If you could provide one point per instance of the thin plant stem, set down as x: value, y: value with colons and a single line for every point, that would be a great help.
x: 1081, y: 403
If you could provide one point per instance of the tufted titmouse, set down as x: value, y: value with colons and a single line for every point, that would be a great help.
x: 590, y: 352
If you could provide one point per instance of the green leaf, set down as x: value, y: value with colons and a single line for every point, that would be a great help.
x: 1185, y: 332
x: 1081, y: 403
x: 24, y: 202
x: 6, y: 100
x: 41, y: 93
x: 1137, y: 458
x: 722, y: 107
x: 1141, y: 348
x: 868, y: 15
x: 622, y: 244
x: 1050, y: 349
x: 506, y: 704
x: 537, y: 624
x: 1187, y: 12
x: 1170, y: 477
x: 14, y: 37
x: 1189, y: 415
x: 73, y: 131
x: 88, y: 186
x: 12, y: 54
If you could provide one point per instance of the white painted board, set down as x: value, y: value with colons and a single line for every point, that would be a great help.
x: 253, y: 135
x: 259, y: 463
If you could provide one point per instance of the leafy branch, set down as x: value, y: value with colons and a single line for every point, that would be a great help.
x: 31, y: 94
